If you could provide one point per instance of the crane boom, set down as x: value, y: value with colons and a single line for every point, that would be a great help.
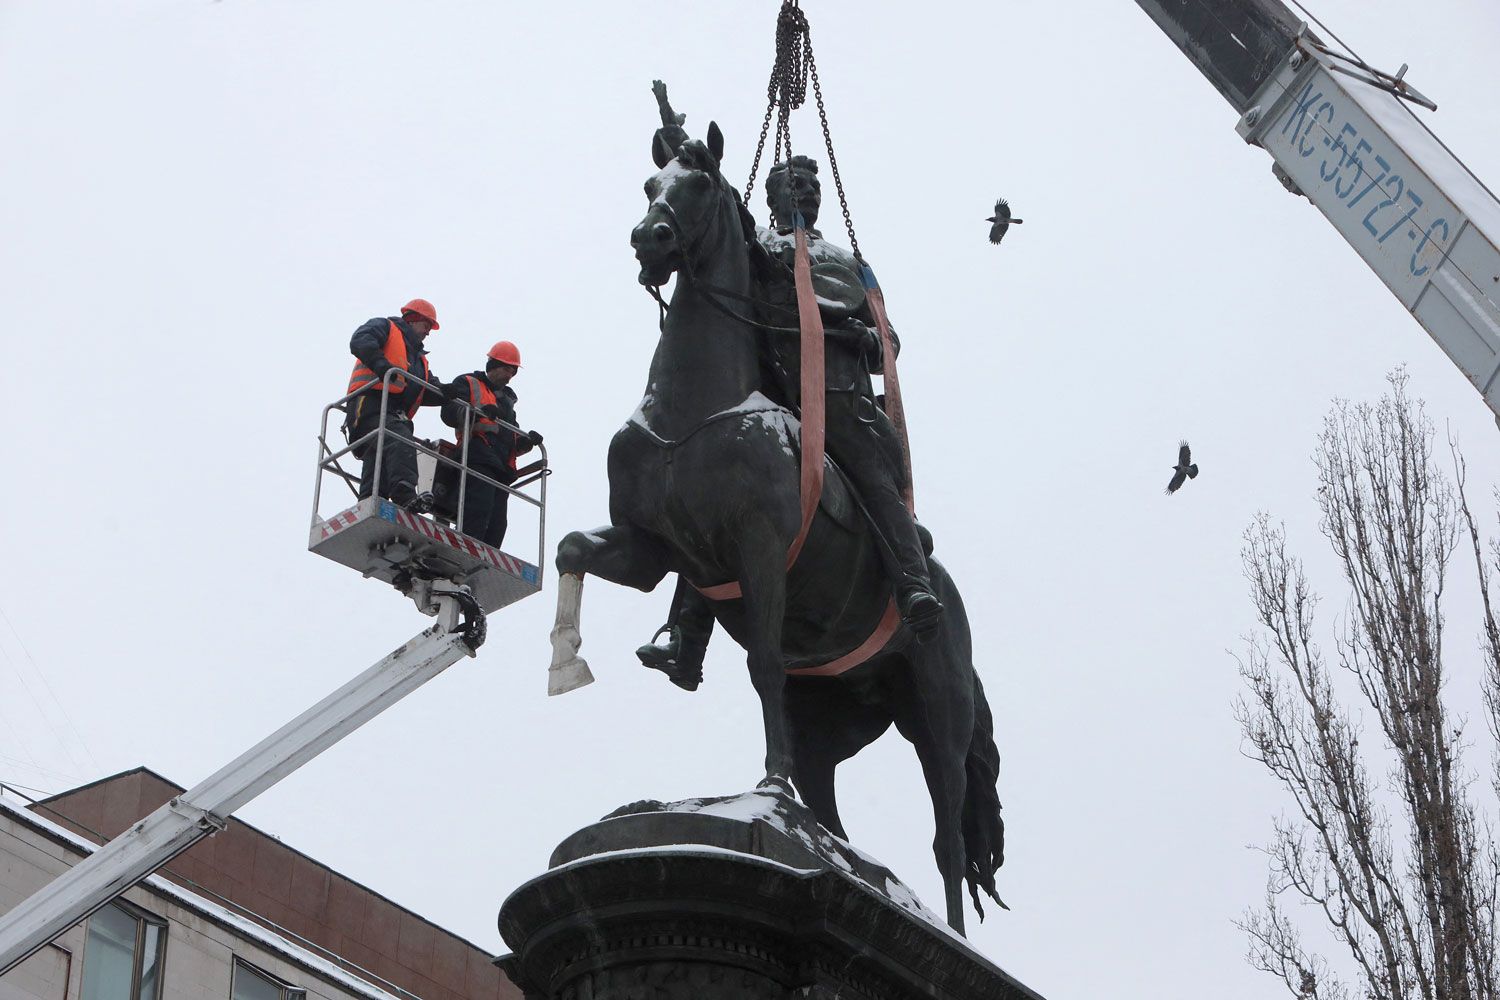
x: 1344, y: 136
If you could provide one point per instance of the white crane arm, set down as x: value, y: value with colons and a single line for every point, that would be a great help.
x: 1340, y: 135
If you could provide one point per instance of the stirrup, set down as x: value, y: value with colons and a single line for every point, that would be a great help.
x: 667, y: 659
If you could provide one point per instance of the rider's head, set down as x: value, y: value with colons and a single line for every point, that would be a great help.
x: 794, y: 185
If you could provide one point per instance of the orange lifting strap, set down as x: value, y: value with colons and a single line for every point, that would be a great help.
x: 787, y: 90
x: 810, y: 323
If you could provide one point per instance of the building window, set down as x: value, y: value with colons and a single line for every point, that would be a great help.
x: 251, y: 983
x: 122, y: 956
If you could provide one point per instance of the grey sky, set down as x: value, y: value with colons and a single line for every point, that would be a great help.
x: 202, y: 200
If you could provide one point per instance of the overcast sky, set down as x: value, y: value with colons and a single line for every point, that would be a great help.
x: 200, y: 202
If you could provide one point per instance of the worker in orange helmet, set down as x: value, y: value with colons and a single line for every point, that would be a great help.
x: 379, y: 346
x: 494, y: 440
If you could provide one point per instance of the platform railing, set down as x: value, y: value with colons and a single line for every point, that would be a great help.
x: 533, y: 474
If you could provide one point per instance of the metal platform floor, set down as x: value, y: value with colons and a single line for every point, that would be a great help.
x: 381, y: 540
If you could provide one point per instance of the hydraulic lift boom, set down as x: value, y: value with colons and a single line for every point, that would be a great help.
x: 1343, y: 134
x: 195, y: 814
x: 446, y: 573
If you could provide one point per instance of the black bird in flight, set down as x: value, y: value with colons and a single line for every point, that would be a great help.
x: 1184, y: 470
x: 1001, y: 220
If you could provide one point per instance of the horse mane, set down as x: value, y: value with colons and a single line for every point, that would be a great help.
x: 762, y: 266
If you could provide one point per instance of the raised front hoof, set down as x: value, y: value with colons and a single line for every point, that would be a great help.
x: 923, y: 614
x: 664, y: 658
x: 568, y: 675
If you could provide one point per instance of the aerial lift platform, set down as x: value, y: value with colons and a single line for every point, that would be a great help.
x: 383, y: 540
x: 448, y: 575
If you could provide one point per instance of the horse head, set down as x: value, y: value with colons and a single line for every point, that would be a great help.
x: 688, y: 197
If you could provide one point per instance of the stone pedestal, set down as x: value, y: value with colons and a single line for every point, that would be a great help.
x: 739, y: 898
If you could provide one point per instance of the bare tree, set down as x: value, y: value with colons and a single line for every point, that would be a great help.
x: 1402, y: 872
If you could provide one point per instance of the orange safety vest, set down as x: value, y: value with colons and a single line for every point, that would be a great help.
x: 395, y: 353
x: 481, y: 395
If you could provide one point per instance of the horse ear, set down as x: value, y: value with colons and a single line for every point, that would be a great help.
x: 716, y: 142
x: 659, y: 151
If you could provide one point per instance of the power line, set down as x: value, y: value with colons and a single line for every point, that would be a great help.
x: 8, y: 783
x: 47, y: 771
x: 11, y: 727
x: 53, y: 695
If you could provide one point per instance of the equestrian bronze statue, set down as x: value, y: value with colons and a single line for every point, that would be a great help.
x: 705, y: 482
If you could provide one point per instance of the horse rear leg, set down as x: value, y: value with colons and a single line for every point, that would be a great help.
x: 828, y: 727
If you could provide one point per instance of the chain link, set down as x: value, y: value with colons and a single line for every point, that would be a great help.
x: 765, y: 126
x: 785, y: 92
x: 787, y: 87
x: 833, y: 161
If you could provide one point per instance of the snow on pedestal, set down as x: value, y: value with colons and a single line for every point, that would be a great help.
x: 737, y: 897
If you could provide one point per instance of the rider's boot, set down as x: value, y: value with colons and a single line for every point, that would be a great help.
x: 681, y: 659
x: 920, y: 609
x: 688, y: 628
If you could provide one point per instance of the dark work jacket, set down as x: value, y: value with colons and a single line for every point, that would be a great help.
x: 495, y: 452
x: 368, y: 345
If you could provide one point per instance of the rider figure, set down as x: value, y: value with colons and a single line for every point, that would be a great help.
x: 858, y: 434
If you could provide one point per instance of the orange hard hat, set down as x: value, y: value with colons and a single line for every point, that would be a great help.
x: 422, y: 308
x: 506, y: 353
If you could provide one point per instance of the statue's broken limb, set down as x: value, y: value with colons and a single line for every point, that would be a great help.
x: 568, y: 669
x: 619, y: 553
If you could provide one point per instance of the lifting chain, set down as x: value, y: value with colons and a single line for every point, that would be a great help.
x: 787, y: 91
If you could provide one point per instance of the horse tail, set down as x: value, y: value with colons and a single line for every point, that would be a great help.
x: 984, y: 829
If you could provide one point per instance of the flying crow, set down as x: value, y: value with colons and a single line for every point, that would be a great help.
x: 1001, y: 220
x: 1184, y: 470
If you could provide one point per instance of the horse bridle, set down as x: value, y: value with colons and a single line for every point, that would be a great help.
x: 712, y: 293
x: 689, y: 245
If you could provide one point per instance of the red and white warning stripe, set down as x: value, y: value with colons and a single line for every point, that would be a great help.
x: 338, y: 522
x: 463, y: 543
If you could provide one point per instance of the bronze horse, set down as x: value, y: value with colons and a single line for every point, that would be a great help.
x: 703, y: 481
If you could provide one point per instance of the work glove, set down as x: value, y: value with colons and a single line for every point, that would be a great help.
x: 492, y: 411
x: 386, y: 366
x: 534, y: 436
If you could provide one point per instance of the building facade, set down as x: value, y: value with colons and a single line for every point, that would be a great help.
x: 239, y: 916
